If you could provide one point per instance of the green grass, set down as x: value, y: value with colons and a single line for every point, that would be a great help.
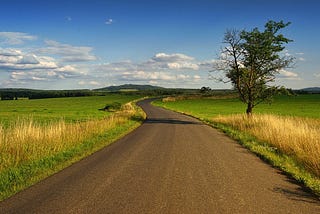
x: 70, y: 109
x: 301, y: 106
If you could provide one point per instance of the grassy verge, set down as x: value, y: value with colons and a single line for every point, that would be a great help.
x: 30, y: 152
x: 272, y: 155
x: 290, y: 143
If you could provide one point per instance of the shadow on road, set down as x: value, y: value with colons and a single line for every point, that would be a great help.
x: 300, y: 194
x: 169, y: 121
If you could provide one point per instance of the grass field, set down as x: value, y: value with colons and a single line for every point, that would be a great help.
x: 35, y: 143
x: 285, y: 133
x: 302, y: 106
x: 69, y: 109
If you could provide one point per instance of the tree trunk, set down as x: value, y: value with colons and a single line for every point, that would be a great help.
x: 249, y: 108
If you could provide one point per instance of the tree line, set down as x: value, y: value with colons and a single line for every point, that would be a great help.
x: 14, y: 94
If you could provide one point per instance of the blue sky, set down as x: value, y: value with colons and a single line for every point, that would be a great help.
x: 95, y: 43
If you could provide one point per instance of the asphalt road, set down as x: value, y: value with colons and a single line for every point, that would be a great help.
x: 170, y: 164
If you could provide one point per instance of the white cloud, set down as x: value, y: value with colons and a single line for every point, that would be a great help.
x: 15, y: 38
x: 17, y: 76
x: 161, y: 69
x: 109, y: 21
x: 68, y: 53
x: 146, y: 76
x: 53, y: 63
x: 25, y: 67
x: 153, y: 82
x: 161, y: 62
x: 177, y: 57
x: 288, y: 74
x: 9, y: 52
x: 183, y: 65
x: 17, y: 60
x: 157, y: 77
x: 94, y: 83
x: 196, y: 77
x: 28, y: 59
x: 89, y: 83
x: 175, y: 62
x: 317, y: 75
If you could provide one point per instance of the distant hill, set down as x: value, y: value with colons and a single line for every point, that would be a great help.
x: 311, y: 89
x: 129, y: 87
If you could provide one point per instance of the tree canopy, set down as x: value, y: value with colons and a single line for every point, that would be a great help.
x: 251, y: 59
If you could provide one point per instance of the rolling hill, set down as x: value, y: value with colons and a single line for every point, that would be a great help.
x: 129, y: 87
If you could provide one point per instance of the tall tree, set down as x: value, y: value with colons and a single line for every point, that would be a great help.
x: 251, y: 59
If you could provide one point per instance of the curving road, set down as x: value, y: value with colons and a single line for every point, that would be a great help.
x: 170, y: 164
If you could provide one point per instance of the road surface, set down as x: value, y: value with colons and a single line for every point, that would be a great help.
x: 170, y: 164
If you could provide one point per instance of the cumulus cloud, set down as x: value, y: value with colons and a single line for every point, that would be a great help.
x: 143, y: 76
x: 159, y: 62
x: 28, y: 59
x: 26, y: 67
x: 183, y: 65
x: 175, y: 61
x: 18, y: 60
x: 59, y: 62
x: 317, y: 75
x: 9, y: 52
x: 23, y: 76
x: 288, y: 74
x: 177, y: 57
x: 67, y: 53
x: 15, y: 38
x: 158, y: 77
x: 196, y: 77
x: 89, y: 83
x: 162, y: 68
x: 58, y: 73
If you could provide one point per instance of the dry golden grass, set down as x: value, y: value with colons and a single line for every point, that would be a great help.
x: 26, y: 140
x: 295, y: 136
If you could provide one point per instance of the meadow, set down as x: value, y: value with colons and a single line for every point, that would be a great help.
x: 300, y: 105
x: 69, y: 109
x: 285, y: 133
x: 41, y: 137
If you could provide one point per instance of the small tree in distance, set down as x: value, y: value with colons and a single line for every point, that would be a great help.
x: 251, y: 59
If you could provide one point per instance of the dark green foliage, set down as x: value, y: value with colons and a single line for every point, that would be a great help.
x: 252, y: 59
x: 16, y: 93
x: 204, y: 90
x: 115, y: 106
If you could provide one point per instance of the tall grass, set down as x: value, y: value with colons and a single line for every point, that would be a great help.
x: 294, y: 136
x: 26, y: 141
